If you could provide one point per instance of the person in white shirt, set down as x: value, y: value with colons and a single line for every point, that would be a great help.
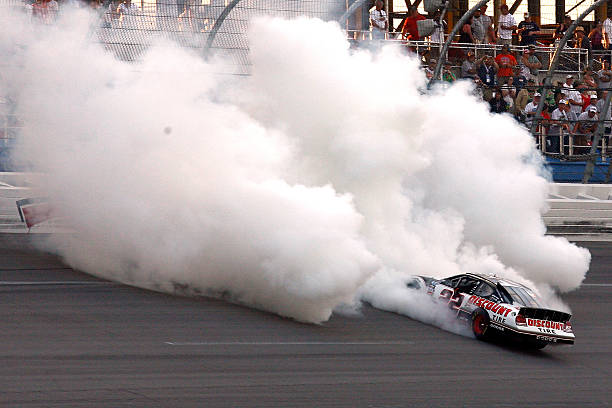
x: 560, y: 118
x: 379, y: 21
x: 607, y: 32
x: 531, y: 108
x: 573, y: 95
x: 584, y: 129
x: 506, y: 25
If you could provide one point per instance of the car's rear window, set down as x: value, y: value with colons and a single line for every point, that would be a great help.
x: 521, y: 296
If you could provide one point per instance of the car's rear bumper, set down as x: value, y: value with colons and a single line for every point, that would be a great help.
x: 531, y: 337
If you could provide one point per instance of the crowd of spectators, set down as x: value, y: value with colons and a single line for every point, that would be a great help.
x: 188, y: 15
x: 511, y: 84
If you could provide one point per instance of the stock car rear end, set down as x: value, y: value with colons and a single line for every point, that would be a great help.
x: 495, y: 306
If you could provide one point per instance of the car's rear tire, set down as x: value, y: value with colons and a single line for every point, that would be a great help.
x: 480, y: 324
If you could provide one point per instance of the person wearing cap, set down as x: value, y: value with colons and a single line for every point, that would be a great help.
x: 530, y: 62
x: 589, y: 98
x: 530, y: 109
x: 478, y: 29
x: 528, y: 30
x: 560, y: 124
x: 574, y: 97
x: 447, y: 73
x: 583, y: 42
x: 520, y: 80
x: 506, y: 25
x: 469, y: 67
x: 584, y: 129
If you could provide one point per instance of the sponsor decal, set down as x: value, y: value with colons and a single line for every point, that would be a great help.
x: 545, y: 324
x: 546, y: 338
x: 488, y: 305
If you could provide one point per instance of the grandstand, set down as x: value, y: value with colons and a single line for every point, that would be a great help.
x: 219, y: 27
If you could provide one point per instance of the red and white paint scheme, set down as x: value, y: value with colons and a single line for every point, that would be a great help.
x: 492, y: 305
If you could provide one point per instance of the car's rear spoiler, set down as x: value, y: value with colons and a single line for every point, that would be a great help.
x: 545, y: 314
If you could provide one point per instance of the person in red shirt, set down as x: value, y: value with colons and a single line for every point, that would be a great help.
x: 506, y: 62
x: 410, y: 30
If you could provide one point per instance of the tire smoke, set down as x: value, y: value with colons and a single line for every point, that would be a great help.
x: 325, y: 177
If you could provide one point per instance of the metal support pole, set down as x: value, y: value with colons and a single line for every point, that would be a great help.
x: 218, y: 22
x: 444, y: 50
x: 555, y: 59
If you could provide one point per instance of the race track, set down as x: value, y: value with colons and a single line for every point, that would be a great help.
x: 70, y: 340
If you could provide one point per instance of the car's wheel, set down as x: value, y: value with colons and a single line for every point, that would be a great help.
x: 480, y: 324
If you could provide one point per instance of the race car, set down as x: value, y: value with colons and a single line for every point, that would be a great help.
x: 492, y: 305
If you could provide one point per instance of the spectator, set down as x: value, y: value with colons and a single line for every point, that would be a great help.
x: 497, y: 103
x: 469, y: 67
x: 588, y: 80
x: 465, y: 36
x: 447, y: 73
x: 478, y: 28
x: 127, y: 13
x: 560, y: 119
x: 604, y: 75
x: 530, y: 109
x: 596, y: 36
x: 509, y: 93
x: 586, y: 97
x: 582, y: 42
x: 487, y: 72
x: 39, y: 10
x: 430, y: 68
x: 521, y: 100
x: 379, y: 21
x: 410, y: 30
x: 438, y: 33
x: 607, y: 32
x: 560, y: 31
x: 574, y: 98
x: 506, y: 61
x: 487, y: 23
x: 528, y: 30
x: 520, y: 81
x: 584, y: 130
x: 608, y: 116
x: 531, y: 63
x: 52, y: 10
x: 507, y: 24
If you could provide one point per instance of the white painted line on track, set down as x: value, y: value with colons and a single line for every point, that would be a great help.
x: 597, y: 284
x: 290, y: 343
x: 43, y: 283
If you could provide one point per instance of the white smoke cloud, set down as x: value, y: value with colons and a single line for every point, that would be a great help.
x: 325, y: 176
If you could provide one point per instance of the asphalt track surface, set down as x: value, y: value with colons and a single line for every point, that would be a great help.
x: 70, y: 340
